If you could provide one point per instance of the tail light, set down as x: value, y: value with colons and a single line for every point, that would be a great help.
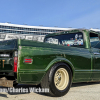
x: 15, y: 64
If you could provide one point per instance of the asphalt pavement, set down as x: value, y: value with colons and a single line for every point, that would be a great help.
x: 78, y: 91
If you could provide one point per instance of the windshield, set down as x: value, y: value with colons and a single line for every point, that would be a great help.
x: 72, y: 39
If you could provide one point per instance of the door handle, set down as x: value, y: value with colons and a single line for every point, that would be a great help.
x: 96, y: 53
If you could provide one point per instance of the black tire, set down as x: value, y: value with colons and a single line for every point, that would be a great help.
x: 49, y: 80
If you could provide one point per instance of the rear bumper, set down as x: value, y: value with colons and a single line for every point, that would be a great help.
x: 6, y: 73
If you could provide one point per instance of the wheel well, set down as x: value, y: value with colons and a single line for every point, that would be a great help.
x: 69, y: 67
x: 52, y: 66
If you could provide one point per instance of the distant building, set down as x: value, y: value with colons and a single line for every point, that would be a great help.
x: 11, y: 31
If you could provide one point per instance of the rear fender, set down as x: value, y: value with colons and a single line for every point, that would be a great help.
x: 58, y: 60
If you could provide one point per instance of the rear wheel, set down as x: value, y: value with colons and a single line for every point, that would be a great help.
x: 61, y: 78
x: 58, y: 79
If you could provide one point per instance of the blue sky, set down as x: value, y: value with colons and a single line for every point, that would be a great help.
x: 50, y: 13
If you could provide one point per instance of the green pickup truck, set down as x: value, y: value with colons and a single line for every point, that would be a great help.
x: 63, y: 58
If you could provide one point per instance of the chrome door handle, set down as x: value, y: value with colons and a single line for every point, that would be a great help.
x: 96, y: 53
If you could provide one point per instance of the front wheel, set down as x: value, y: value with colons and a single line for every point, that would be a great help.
x: 58, y: 79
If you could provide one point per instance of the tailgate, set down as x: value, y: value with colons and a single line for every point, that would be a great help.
x: 7, y: 50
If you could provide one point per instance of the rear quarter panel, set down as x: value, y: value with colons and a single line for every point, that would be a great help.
x: 45, y: 55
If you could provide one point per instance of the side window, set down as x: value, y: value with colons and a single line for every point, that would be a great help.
x: 69, y: 39
x: 94, y: 40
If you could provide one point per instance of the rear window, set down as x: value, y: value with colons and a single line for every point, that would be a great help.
x: 72, y: 39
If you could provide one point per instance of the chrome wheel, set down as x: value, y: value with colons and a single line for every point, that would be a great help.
x: 61, y: 78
